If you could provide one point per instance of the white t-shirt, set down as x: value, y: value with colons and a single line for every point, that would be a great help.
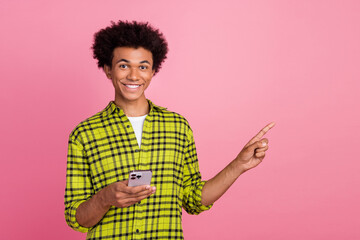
x: 137, y: 124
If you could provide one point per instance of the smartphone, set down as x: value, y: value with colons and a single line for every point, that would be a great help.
x: 139, y: 177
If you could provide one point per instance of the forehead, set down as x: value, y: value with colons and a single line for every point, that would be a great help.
x: 130, y: 54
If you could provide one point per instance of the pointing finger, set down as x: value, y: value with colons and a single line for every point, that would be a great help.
x: 261, y: 133
x: 264, y: 130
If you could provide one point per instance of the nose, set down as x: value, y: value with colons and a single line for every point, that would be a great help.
x: 133, y: 74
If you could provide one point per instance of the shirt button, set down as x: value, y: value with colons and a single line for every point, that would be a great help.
x: 128, y: 126
x: 139, y: 202
x: 137, y: 231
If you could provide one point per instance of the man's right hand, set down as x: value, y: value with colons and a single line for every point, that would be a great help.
x: 119, y: 194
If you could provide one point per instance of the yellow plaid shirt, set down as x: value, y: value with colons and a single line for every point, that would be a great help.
x: 103, y: 149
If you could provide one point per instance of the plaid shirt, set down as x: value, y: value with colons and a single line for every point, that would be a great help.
x: 103, y: 149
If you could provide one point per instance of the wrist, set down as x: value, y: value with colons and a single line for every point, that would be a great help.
x: 239, y: 166
x: 102, y: 200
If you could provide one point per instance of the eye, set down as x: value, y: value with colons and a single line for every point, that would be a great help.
x: 123, y: 66
x: 142, y: 67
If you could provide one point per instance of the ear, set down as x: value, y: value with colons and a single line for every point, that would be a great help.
x: 107, y: 71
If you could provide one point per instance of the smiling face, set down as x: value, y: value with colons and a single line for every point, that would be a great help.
x: 131, y: 73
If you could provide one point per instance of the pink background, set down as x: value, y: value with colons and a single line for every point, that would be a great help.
x: 233, y: 67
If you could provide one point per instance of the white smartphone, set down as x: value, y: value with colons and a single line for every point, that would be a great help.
x: 139, y: 177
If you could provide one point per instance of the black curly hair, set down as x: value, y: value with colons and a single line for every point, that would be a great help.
x: 129, y: 34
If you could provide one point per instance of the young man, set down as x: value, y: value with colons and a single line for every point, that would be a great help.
x: 132, y: 133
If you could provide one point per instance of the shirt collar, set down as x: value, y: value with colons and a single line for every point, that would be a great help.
x: 113, y: 108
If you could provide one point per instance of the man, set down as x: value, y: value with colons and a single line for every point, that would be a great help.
x: 132, y: 133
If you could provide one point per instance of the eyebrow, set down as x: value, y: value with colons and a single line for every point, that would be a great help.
x: 127, y: 61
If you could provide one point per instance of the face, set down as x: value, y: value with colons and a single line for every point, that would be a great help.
x: 131, y: 73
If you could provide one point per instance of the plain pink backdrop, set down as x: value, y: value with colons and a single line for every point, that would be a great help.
x: 233, y: 67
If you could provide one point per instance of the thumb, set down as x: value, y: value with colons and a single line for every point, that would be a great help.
x: 255, y: 145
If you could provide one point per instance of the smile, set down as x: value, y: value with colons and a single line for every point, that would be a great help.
x: 132, y: 86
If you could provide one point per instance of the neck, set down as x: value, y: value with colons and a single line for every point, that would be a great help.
x: 134, y: 108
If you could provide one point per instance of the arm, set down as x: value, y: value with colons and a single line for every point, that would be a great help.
x: 249, y: 157
x: 79, y: 186
x: 84, y: 208
x: 192, y: 185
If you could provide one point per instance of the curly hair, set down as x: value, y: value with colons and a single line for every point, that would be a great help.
x: 129, y: 34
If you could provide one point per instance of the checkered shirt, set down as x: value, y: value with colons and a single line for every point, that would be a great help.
x: 103, y: 149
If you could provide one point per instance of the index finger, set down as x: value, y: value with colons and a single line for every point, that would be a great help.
x: 261, y: 133
x: 265, y: 130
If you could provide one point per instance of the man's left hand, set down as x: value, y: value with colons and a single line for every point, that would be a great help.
x: 254, y: 151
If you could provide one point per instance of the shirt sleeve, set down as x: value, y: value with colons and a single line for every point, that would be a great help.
x: 192, y: 184
x: 78, y: 182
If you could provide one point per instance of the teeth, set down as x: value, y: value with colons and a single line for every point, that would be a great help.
x: 132, y: 86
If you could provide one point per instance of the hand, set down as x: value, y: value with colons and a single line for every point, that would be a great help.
x: 254, y: 151
x: 118, y: 194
